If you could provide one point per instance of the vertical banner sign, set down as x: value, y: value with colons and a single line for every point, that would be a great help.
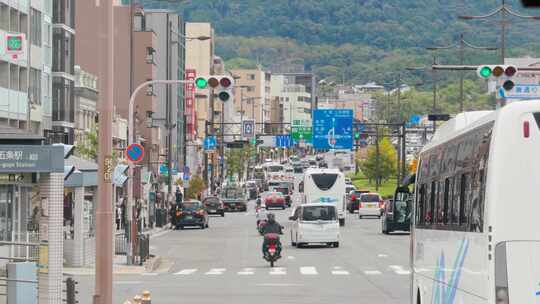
x: 189, y: 101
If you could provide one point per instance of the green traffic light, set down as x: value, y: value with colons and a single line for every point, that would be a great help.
x: 253, y: 141
x: 201, y: 83
x: 485, y: 71
x: 356, y: 135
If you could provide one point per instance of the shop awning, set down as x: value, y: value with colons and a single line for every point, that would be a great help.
x: 88, y: 172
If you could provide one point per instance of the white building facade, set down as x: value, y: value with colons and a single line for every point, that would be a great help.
x: 25, y: 81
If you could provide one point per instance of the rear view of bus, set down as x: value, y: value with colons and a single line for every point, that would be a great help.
x: 475, y: 236
x: 326, y: 186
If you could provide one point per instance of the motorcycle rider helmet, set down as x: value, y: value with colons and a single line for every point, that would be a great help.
x: 271, y: 217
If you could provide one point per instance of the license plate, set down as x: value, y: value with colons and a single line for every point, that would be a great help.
x: 189, y: 217
x: 213, y: 211
x: 371, y: 206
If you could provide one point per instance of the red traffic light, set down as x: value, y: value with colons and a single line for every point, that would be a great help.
x: 510, y: 71
x: 225, y: 82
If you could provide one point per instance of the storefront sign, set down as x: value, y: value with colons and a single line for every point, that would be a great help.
x: 189, y: 101
x: 29, y: 159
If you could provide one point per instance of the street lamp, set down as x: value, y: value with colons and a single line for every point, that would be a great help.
x: 505, y: 11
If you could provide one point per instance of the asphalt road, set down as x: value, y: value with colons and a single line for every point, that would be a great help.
x: 223, y: 264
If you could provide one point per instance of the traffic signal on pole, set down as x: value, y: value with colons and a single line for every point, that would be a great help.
x: 221, y: 84
x: 501, y: 73
x: 356, y: 135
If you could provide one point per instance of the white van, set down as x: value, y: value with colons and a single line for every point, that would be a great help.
x: 315, y: 224
x: 326, y: 186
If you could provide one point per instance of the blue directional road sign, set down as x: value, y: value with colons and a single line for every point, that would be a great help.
x: 284, y: 141
x: 210, y: 143
x: 332, y: 129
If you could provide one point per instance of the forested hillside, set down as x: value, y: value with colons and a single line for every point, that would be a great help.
x: 352, y: 40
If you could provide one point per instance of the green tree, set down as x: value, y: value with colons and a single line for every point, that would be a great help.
x: 89, y: 148
x: 237, y: 160
x: 387, y: 161
x: 196, y: 186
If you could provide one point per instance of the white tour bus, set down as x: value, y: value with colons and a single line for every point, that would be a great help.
x: 326, y: 186
x: 474, y: 238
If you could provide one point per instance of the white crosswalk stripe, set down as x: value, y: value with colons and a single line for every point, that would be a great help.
x: 340, y: 272
x: 216, y: 271
x: 186, y: 272
x: 246, y: 271
x: 278, y: 271
x: 372, y: 272
x: 308, y: 270
x: 149, y: 273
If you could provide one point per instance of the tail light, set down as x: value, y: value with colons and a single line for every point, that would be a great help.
x: 381, y: 204
x: 526, y: 129
x: 353, y: 197
x: 178, y: 213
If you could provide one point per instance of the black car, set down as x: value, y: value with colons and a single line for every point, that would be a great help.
x: 397, y: 212
x: 191, y: 213
x: 213, y: 205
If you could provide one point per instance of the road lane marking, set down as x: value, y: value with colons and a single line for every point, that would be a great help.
x: 372, y: 272
x: 186, y: 272
x: 382, y: 255
x: 278, y: 271
x: 290, y: 257
x: 149, y: 273
x: 216, y: 271
x: 308, y: 270
x: 340, y: 272
x: 279, y: 284
x: 402, y: 272
x: 246, y: 271
x: 395, y: 267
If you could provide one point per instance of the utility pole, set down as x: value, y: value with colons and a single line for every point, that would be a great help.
x: 434, y: 109
x: 168, y: 107
x: 399, y: 97
x: 377, y: 160
x: 104, y: 219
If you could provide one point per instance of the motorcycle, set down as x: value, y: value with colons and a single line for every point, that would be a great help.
x: 272, y: 249
x: 260, y: 226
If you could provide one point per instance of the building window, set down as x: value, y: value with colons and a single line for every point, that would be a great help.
x: 251, y: 76
x: 63, y: 96
x: 4, y: 74
x: 35, y: 24
x: 250, y: 89
x: 4, y: 17
x: 35, y: 85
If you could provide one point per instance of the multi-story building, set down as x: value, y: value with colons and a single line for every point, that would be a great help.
x: 86, y: 96
x: 295, y: 101
x: 25, y: 81
x: 63, y: 71
x: 199, y: 59
x: 169, y: 30
x: 253, y: 94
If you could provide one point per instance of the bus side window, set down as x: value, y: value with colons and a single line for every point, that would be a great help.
x: 431, y: 208
x: 455, y: 201
x: 445, y: 200
x: 463, y: 193
x: 421, y: 206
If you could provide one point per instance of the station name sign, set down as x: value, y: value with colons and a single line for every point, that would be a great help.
x: 30, y: 158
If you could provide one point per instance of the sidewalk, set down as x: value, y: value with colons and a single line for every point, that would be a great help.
x: 120, y: 261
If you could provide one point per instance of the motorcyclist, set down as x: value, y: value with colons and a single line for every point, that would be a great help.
x: 260, y: 213
x: 272, y: 227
